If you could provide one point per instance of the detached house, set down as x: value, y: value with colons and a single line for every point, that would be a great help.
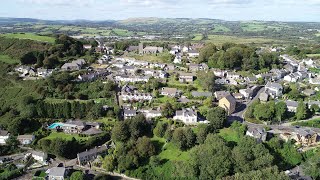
x: 88, y: 156
x: 39, y: 156
x: 258, y: 133
x: 186, y: 77
x: 173, y: 92
x: 247, y: 93
x: 129, y: 113
x: 4, y: 135
x: 57, y: 173
x: 26, y: 139
x: 274, y: 89
x: 193, y: 53
x: 74, y: 65
x: 186, y: 115
x: 228, y: 103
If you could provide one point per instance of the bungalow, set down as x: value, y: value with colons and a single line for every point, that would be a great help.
x: 136, y: 96
x: 88, y: 156
x: 57, y: 173
x: 39, y: 156
x: 201, y: 94
x: 292, y: 105
x: 129, y: 114
x: 186, y: 115
x: 228, y: 103
x: 4, y: 135
x: 26, y: 139
x: 221, y: 94
x: 274, y: 89
x: 193, y: 53
x: 258, y: 133
x: 173, y: 92
x: 186, y: 77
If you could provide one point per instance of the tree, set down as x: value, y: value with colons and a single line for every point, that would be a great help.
x: 145, y: 147
x: 302, y: 111
x: 138, y: 126
x: 264, y: 111
x: 206, y: 80
x: 206, y: 52
x: 78, y: 175
x: 267, y: 173
x: 314, y: 108
x: 190, y: 137
x: 120, y: 132
x: 160, y: 129
x: 217, y: 117
x: 203, y: 131
x: 179, y: 138
x: 311, y: 167
x: 211, y: 159
x: 248, y: 155
x: 281, y: 109
x: 167, y: 110
x: 109, y: 163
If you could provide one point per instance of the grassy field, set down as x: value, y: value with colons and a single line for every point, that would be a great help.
x: 7, y: 59
x: 220, y: 39
x: 318, y: 34
x: 313, y: 55
x: 30, y: 36
x: 197, y: 37
x: 122, y: 32
x: 160, y: 58
x: 54, y: 135
x: 229, y: 135
x: 312, y: 123
x: 220, y: 28
x: 259, y: 26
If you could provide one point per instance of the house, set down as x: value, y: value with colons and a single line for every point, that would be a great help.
x: 149, y: 49
x: 251, y: 79
x: 185, y: 49
x: 129, y: 113
x: 136, y: 96
x: 198, y: 67
x: 302, y: 136
x: 173, y: 92
x: 74, y: 65
x: 221, y: 94
x: 274, y: 89
x: 88, y: 156
x: 170, y: 67
x: 308, y: 92
x: 247, y: 93
x: 201, y: 94
x: 295, y: 77
x: 150, y: 114
x: 222, y: 81
x: 290, y: 68
x: 133, y: 79
x: 228, y: 103
x: 57, y: 173
x: 39, y: 156
x: 292, y: 105
x: 133, y: 49
x: 219, y: 73
x: 186, y: 115
x: 258, y: 133
x: 23, y: 69
x: 193, y: 53
x: 264, y: 97
x: 186, y: 77
x: 73, y: 127
x: 314, y: 81
x: 233, y: 75
x: 42, y: 72
x: 87, y: 46
x: 4, y: 135
x: 26, y: 139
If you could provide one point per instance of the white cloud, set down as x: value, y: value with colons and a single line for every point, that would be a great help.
x: 81, y: 3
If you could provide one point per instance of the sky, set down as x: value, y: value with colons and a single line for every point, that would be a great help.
x: 269, y: 10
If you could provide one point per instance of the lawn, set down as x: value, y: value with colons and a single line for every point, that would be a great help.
x: 220, y: 28
x: 160, y: 57
x: 7, y: 59
x: 312, y: 123
x: 313, y: 55
x: 229, y: 135
x: 170, y: 151
x: 220, y: 39
x: 197, y: 37
x: 54, y: 135
x: 318, y: 34
x: 31, y: 36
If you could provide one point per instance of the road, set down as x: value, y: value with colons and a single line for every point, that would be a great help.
x: 239, y: 114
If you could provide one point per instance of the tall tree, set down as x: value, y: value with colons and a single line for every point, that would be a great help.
x: 217, y: 117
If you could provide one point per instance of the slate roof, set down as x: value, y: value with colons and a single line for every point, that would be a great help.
x: 93, y: 152
x: 201, y: 94
x: 57, y: 171
x: 4, y: 133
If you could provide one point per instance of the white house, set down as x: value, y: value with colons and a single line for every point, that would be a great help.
x: 186, y: 115
x: 292, y: 105
x: 39, y: 156
x: 150, y: 114
x: 57, y: 173
x: 274, y: 89
x: 173, y: 92
x: 4, y: 135
x: 125, y: 78
x: 129, y: 113
x: 136, y: 96
x: 247, y: 93
x: 193, y: 53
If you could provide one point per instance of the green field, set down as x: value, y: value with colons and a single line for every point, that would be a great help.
x: 229, y: 135
x: 122, y: 32
x: 197, y: 37
x: 7, y: 59
x: 160, y: 57
x: 220, y: 28
x: 313, y: 55
x: 30, y: 36
x: 318, y: 34
x: 220, y: 39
